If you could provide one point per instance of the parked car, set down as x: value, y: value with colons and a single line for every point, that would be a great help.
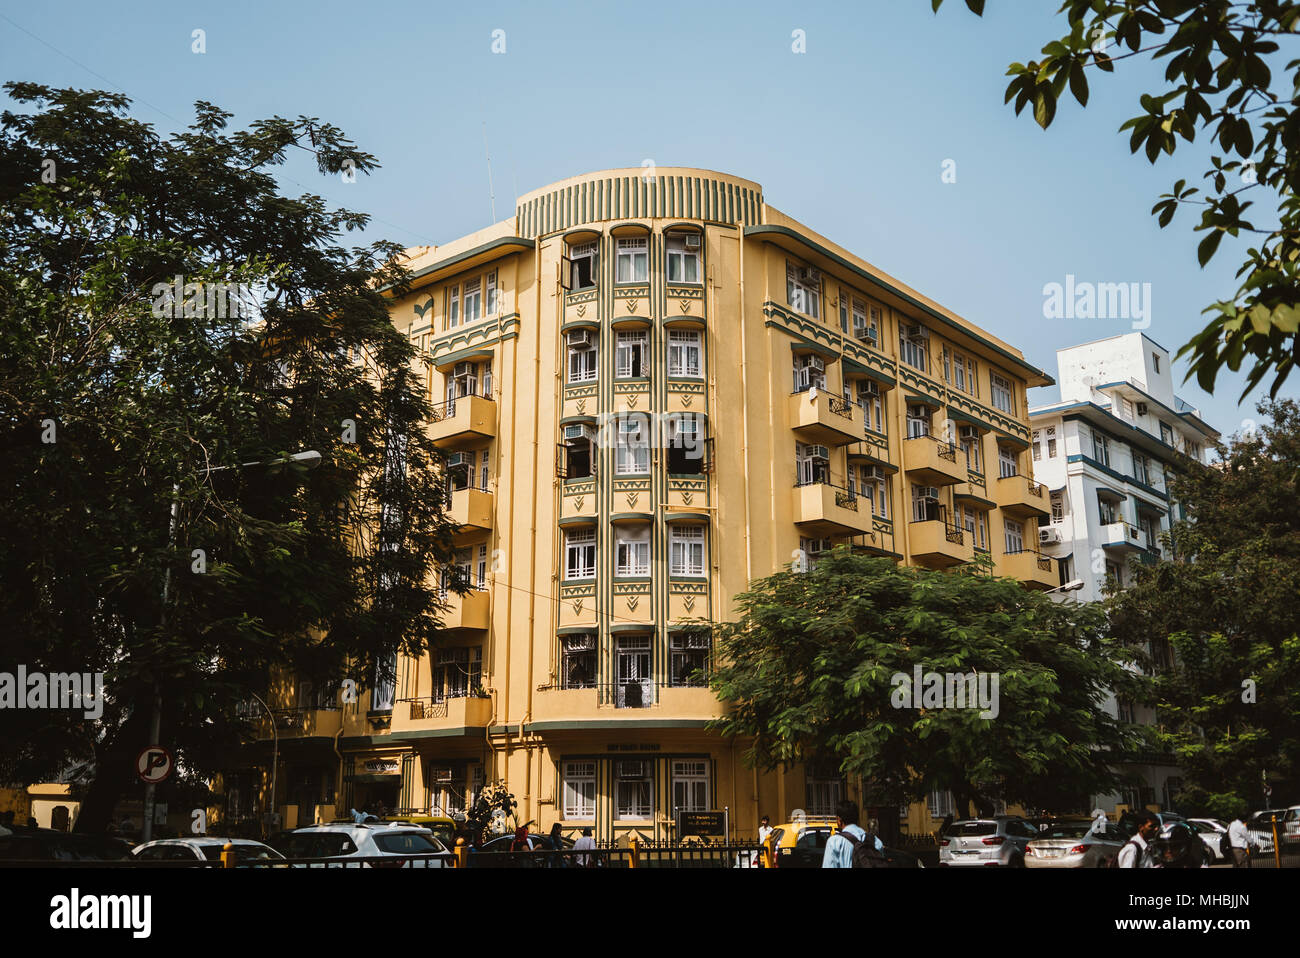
x: 406, y: 845
x: 1288, y: 827
x: 1128, y: 821
x: 21, y: 843
x: 1074, y: 844
x: 504, y: 843
x: 804, y: 845
x: 443, y: 828
x: 204, y: 848
x: 995, y: 840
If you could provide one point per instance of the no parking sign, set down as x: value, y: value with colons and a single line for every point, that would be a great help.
x: 153, y: 764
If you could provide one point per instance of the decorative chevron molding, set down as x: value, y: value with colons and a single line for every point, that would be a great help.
x: 688, y: 588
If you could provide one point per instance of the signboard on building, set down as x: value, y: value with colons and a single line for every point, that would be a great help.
x: 384, y: 766
x: 709, y: 824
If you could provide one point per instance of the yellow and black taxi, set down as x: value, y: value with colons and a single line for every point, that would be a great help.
x: 802, y: 844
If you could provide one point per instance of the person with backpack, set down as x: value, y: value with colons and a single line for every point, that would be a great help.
x: 1134, y: 853
x: 851, y: 846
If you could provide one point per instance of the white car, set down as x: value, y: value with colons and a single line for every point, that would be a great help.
x: 204, y: 848
x: 408, y: 846
x: 1213, y: 833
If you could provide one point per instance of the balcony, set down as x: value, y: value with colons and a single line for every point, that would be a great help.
x: 444, y: 712
x: 471, y: 510
x: 1021, y: 498
x: 820, y: 418
x: 470, y: 611
x: 462, y: 422
x: 1122, y: 537
x: 631, y: 700
x: 821, y: 509
x: 974, y: 491
x: 1033, y: 569
x: 306, y: 722
x: 938, y: 544
x: 932, y: 462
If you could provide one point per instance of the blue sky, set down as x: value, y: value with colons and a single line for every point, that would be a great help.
x: 849, y: 137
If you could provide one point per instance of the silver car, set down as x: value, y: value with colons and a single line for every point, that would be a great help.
x: 996, y: 840
x: 1074, y: 845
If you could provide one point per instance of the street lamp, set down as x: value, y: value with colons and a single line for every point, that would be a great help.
x: 1074, y: 585
x: 275, y: 754
x: 310, y: 459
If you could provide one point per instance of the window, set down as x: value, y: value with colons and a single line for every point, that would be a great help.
x: 972, y: 445
x: 976, y: 523
x: 918, y: 420
x: 632, y: 672
x: 632, y: 446
x: 1126, y: 408
x: 1126, y: 711
x: 472, y: 300
x: 578, y: 661
x: 1038, y: 449
x: 690, y: 786
x: 452, y: 312
x: 630, y: 354
x: 632, y: 550
x: 577, y: 461
x: 685, y: 445
x: 490, y: 283
x: 1155, y: 362
x: 869, y: 482
x: 458, y: 673
x: 803, y: 289
x: 1106, y: 510
x: 1150, y: 527
x: 1008, y: 462
x: 811, y: 549
x: 632, y: 789
x: 582, y: 266
x: 959, y: 371
x: 1141, y: 468
x: 1003, y: 397
x: 686, y: 551
x: 580, y: 554
x: 913, y: 344
x: 683, y: 251
x: 823, y: 789
x: 1015, y: 535
x: 688, y: 655
x: 1100, y: 448
x: 1051, y: 442
x: 809, y: 371
x: 873, y: 406
x: 582, y: 356
x: 925, y: 503
x: 812, y: 464
x: 1113, y: 571
x: 1058, y: 506
x: 1192, y: 449
x: 866, y: 321
x: 580, y: 790
x: 685, y: 353
x: 941, y: 803
x: 1166, y: 434
x: 632, y: 264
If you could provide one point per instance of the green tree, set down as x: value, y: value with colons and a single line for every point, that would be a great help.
x: 1226, y: 620
x: 126, y: 421
x: 1220, y: 57
x: 807, y: 672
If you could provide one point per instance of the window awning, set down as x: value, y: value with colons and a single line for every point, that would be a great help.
x: 1111, y: 491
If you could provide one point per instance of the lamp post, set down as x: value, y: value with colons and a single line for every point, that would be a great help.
x: 275, y: 753
x: 309, y: 459
x: 1074, y: 585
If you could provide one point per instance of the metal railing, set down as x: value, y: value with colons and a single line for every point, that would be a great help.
x: 296, y: 718
x: 445, y: 410
x: 947, y: 450
x: 840, y: 406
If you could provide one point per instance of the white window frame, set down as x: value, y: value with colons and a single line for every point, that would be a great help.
x: 472, y: 301
x: 1002, y: 394
x: 580, y: 791
x: 1013, y: 531
x: 632, y: 259
x: 590, y: 251
x: 918, y: 423
x: 801, y: 297
x: 632, y: 550
x: 678, y: 257
x: 1051, y: 442
x: 452, y: 318
x: 490, y: 294
x: 686, y: 353
x: 582, y: 363
x: 1008, y: 462
x: 629, y: 343
x: 690, y: 782
x: 1101, y: 448
x: 634, y: 810
x: 914, y: 351
x: 580, y: 544
x: 686, y: 550
x: 632, y: 446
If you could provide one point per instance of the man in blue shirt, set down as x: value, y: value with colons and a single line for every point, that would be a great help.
x: 839, y: 850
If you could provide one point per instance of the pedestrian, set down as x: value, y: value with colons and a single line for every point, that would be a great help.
x: 1134, y: 854
x: 583, y: 844
x: 557, y: 836
x: 839, y: 849
x: 1240, y: 839
x: 764, y: 830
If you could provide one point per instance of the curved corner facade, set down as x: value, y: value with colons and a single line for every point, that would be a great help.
x: 652, y: 388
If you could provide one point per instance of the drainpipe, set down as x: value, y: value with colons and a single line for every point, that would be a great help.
x: 744, y: 399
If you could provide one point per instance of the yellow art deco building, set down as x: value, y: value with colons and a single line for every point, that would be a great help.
x: 653, y: 387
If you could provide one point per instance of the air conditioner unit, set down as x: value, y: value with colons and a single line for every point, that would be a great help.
x: 865, y: 334
x: 968, y: 433
x: 819, y: 545
x: 817, y: 363
x: 912, y: 332
x: 1142, y: 409
x: 577, y: 431
x: 807, y: 274
x: 463, y: 369
x: 460, y: 459
x: 580, y: 337
x: 818, y: 452
x: 870, y: 390
x: 874, y: 472
x: 929, y: 492
x: 1049, y: 535
x: 693, y: 240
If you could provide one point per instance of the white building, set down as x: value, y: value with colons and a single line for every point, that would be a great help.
x: 1102, y: 452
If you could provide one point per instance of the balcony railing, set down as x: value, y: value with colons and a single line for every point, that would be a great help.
x: 445, y: 410
x: 841, y: 407
x: 296, y: 718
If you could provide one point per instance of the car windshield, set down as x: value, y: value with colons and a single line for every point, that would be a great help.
x: 243, y: 853
x: 407, y: 843
x: 315, y: 844
x: 1067, y: 831
x: 961, y: 829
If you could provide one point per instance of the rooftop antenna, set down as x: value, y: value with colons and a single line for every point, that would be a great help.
x: 492, y: 198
